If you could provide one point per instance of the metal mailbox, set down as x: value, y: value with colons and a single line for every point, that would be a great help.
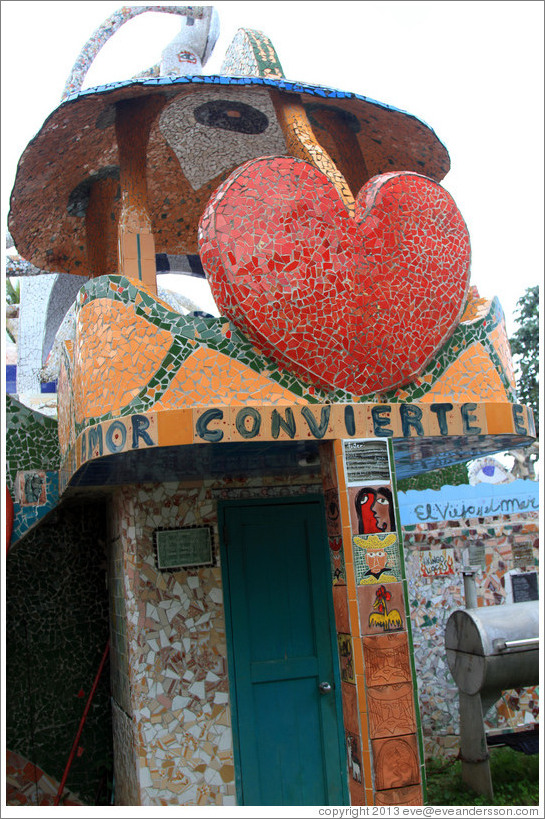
x: 492, y: 648
x: 489, y: 649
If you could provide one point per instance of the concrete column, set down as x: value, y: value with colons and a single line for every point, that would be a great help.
x: 35, y: 292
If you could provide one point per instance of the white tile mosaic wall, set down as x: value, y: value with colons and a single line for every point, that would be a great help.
x: 432, y: 601
x: 176, y: 653
x: 222, y: 148
x: 35, y: 293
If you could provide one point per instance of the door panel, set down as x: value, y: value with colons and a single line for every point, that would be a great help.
x: 279, y: 601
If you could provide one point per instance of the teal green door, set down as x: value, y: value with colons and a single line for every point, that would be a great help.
x: 287, y: 737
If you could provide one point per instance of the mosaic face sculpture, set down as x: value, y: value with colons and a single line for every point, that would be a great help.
x: 360, y: 303
x: 53, y: 220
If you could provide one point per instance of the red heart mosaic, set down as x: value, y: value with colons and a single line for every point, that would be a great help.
x: 359, y: 303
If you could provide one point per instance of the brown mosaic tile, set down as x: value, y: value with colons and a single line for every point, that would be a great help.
x: 350, y: 708
x: 411, y: 795
x: 391, y: 710
x: 386, y: 659
x: 395, y: 762
x: 340, y: 606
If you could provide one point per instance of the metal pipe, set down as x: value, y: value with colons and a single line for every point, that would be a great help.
x: 470, y: 587
x: 526, y: 642
x: 81, y: 724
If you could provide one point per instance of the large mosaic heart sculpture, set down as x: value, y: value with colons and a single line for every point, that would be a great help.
x: 359, y: 303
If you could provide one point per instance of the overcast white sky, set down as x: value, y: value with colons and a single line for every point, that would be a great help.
x: 471, y: 70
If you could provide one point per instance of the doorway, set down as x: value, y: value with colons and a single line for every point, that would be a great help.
x: 284, y: 675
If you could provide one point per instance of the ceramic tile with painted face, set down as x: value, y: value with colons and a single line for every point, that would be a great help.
x: 391, y: 710
x: 376, y: 558
x: 372, y: 509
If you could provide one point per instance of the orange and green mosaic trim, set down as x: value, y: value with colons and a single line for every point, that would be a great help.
x: 178, y: 337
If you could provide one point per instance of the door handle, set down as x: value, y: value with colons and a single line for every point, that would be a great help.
x: 324, y: 688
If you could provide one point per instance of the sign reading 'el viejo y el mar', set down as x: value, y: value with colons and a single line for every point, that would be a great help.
x: 296, y: 422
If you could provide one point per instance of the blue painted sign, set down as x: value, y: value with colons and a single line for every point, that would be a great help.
x: 465, y: 501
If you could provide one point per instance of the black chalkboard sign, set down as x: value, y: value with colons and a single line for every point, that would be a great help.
x: 524, y: 587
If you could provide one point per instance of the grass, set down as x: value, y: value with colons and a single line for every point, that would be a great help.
x: 515, y: 777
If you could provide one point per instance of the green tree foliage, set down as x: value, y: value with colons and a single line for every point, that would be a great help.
x: 525, y: 348
x: 13, y: 292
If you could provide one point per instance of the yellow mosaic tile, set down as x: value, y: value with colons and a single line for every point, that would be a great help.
x: 476, y: 307
x: 111, y: 341
x: 210, y: 378
x: 472, y: 377
x: 302, y: 143
x: 498, y: 337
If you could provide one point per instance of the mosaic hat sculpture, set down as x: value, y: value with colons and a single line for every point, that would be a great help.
x: 317, y: 213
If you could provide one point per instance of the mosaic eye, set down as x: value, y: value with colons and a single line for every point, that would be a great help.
x: 187, y: 57
x: 230, y: 115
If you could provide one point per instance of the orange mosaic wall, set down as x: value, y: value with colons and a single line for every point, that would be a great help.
x: 132, y: 353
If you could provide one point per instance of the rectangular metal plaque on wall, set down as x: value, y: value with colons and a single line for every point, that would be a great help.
x: 524, y: 587
x: 186, y: 548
